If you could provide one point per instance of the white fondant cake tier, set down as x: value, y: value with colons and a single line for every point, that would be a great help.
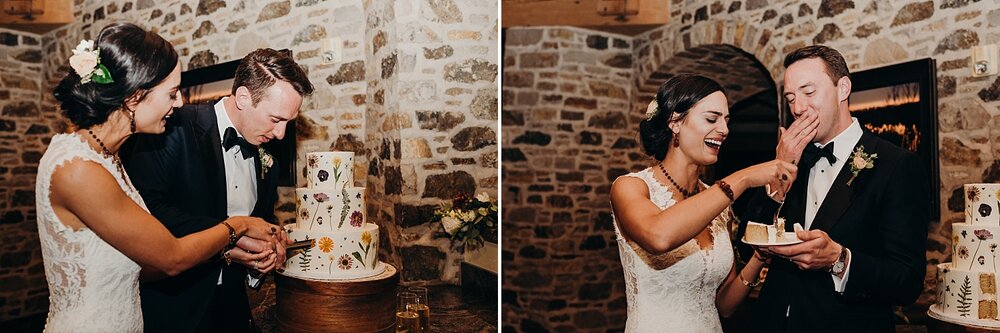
x: 975, y: 247
x: 967, y: 294
x: 335, y: 255
x: 330, y: 170
x: 981, y: 204
x: 328, y: 210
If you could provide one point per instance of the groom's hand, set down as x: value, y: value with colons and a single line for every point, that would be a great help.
x: 254, y: 253
x: 817, y: 250
x: 793, y: 141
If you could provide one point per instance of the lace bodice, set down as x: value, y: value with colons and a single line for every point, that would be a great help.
x: 675, y: 291
x: 92, y: 286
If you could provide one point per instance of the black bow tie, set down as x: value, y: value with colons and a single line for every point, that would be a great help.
x: 230, y: 139
x: 812, y: 154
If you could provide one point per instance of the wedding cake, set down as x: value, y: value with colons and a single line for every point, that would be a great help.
x: 967, y: 286
x: 331, y: 212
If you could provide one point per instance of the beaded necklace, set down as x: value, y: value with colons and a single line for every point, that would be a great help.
x: 114, y: 157
x: 685, y: 193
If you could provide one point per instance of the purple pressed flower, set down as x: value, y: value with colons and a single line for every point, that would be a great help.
x: 345, y: 262
x: 321, y: 197
x: 972, y: 194
x: 985, y: 210
x: 983, y: 234
x: 356, y: 218
x: 982, y: 260
x: 323, y: 175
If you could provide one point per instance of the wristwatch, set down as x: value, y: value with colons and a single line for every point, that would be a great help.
x: 841, y: 264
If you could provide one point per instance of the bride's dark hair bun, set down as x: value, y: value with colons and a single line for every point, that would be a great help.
x: 676, y: 96
x: 137, y: 60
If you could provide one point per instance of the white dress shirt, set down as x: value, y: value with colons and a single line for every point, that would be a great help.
x: 822, y: 176
x: 241, y: 178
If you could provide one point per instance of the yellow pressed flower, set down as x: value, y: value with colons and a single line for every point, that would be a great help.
x: 366, y: 238
x: 325, y: 244
x: 336, y: 162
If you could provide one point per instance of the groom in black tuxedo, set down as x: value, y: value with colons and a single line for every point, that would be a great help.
x: 205, y: 167
x: 863, y: 202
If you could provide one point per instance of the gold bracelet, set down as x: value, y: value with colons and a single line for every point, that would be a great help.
x: 748, y: 284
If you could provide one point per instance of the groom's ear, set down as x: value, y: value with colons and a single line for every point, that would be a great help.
x: 843, y: 88
x: 243, y: 98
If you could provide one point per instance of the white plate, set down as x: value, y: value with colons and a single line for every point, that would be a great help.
x: 936, y: 313
x: 771, y: 244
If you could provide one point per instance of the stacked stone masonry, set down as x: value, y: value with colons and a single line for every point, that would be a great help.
x: 563, y: 144
x: 407, y: 97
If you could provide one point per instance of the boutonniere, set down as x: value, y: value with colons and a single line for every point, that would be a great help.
x: 266, y: 161
x: 860, y: 161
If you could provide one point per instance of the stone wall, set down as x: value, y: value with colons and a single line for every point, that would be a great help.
x: 566, y: 136
x: 24, y: 132
x: 870, y: 34
x: 382, y: 144
x: 446, y: 58
x: 355, y: 106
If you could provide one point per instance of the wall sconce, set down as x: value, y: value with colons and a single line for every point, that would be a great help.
x: 622, y: 9
x: 27, y: 9
x: 985, y: 60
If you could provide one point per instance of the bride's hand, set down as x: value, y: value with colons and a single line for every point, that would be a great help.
x: 249, y: 252
x: 761, y: 256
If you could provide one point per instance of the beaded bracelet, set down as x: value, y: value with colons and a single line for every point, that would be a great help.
x: 726, y: 189
x: 232, y: 234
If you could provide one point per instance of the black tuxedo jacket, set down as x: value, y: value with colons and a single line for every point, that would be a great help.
x: 882, y: 217
x: 182, y: 179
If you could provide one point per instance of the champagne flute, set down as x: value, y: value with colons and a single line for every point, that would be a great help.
x: 407, y: 321
x: 421, y: 307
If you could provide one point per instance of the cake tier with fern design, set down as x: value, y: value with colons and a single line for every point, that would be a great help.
x: 331, y: 212
x: 967, y: 286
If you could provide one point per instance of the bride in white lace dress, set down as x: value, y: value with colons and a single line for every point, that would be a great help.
x: 672, y: 229
x: 95, y: 230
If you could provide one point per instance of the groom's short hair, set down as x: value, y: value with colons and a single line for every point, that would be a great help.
x: 836, y: 67
x: 261, y: 68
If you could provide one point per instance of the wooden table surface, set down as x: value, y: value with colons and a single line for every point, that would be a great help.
x: 451, y: 312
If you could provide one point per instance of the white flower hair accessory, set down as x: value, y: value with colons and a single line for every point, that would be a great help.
x: 86, y: 62
x: 652, y: 110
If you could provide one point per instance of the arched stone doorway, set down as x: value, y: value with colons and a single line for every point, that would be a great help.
x: 752, y: 98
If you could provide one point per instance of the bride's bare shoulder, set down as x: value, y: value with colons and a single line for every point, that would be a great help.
x: 627, y: 185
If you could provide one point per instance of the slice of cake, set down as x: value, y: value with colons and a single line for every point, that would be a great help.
x: 760, y: 233
x: 768, y: 233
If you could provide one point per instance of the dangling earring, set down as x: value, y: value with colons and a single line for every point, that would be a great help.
x: 677, y: 142
x: 132, y: 122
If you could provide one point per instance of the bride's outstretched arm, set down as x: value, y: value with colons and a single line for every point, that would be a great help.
x: 659, y: 231
x: 84, y: 194
x: 738, y: 284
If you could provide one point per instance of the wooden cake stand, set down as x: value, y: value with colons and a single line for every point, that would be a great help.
x: 357, y: 305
